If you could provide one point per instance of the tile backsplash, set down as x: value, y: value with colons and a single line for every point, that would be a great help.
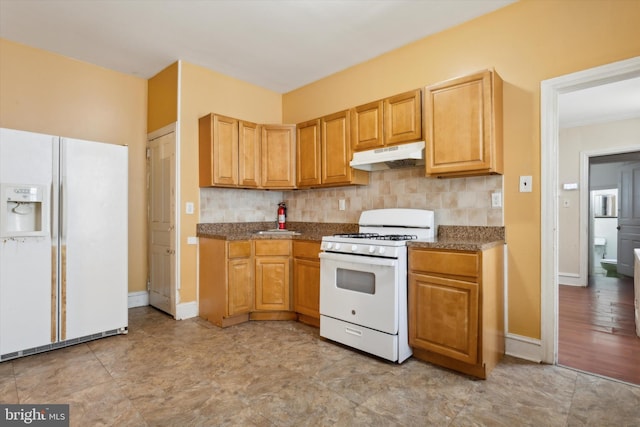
x: 456, y: 201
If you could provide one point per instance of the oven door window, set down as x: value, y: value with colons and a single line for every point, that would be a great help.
x: 357, y: 281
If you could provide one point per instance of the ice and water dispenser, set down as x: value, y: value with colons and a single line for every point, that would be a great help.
x: 24, y: 210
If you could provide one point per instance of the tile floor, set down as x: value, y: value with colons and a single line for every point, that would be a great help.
x: 191, y: 373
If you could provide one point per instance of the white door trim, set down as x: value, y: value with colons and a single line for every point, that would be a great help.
x: 549, y: 129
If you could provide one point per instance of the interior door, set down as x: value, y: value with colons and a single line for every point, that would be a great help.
x: 628, y: 217
x: 162, y: 232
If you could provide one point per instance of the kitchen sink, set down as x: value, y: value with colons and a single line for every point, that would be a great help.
x: 279, y: 232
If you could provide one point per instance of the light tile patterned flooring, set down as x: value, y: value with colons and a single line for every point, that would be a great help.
x: 191, y: 373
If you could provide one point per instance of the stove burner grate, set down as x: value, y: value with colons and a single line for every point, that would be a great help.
x: 376, y: 236
x: 397, y: 237
x: 358, y: 235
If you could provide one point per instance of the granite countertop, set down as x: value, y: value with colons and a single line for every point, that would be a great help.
x: 463, y: 238
x: 451, y: 237
x: 249, y: 230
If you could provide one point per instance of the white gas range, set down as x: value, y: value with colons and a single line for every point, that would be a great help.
x: 363, y: 281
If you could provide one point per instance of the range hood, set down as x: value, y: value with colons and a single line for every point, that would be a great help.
x: 396, y: 156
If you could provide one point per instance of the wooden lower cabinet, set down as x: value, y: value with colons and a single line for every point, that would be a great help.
x: 272, y: 263
x: 306, y: 281
x: 456, y: 314
x: 226, y: 281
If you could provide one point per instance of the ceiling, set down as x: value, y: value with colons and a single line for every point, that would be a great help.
x: 604, y: 103
x: 280, y: 45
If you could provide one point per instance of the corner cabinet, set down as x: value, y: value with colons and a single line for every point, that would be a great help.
x: 229, y: 152
x: 306, y: 281
x: 226, y: 281
x: 456, y: 312
x: 278, y: 148
x: 463, y: 126
x: 390, y: 121
x: 272, y: 276
x: 324, y: 153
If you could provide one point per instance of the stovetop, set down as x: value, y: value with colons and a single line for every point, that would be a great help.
x: 376, y: 236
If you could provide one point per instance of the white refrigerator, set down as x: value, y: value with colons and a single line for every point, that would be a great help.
x: 63, y: 242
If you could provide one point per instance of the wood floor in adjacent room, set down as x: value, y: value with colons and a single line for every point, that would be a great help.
x: 597, y: 329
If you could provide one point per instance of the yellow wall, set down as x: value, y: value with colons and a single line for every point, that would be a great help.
x: 202, y: 92
x: 526, y: 42
x: 47, y: 93
x: 162, y: 105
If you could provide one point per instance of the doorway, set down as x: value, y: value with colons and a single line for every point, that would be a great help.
x: 550, y: 184
x: 161, y: 181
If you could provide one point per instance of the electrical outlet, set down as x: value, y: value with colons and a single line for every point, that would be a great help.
x: 189, y: 208
x: 341, y: 205
x: 496, y: 200
x: 525, y: 184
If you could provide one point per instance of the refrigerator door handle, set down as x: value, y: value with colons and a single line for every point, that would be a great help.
x: 54, y: 293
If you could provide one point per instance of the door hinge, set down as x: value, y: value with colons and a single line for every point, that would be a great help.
x: 148, y: 153
x: 148, y: 285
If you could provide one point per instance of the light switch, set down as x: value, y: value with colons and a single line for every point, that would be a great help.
x: 525, y: 184
x: 189, y: 208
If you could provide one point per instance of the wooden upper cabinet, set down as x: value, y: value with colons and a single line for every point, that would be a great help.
x: 463, y: 120
x: 248, y: 154
x: 336, y: 148
x: 218, y: 151
x: 390, y: 121
x: 367, y: 126
x: 308, y: 153
x: 324, y: 153
x: 403, y: 118
x: 278, y: 150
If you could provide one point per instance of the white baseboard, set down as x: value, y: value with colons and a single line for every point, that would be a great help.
x: 186, y: 310
x: 523, y: 347
x: 138, y: 299
x: 571, y: 279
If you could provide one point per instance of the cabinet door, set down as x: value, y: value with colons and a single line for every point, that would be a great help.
x: 278, y: 156
x: 272, y: 283
x: 403, y: 118
x: 248, y: 154
x: 306, y: 278
x: 213, y: 279
x: 308, y: 153
x: 218, y: 151
x: 240, y: 294
x: 443, y: 316
x: 367, y: 126
x: 336, y: 148
x: 461, y: 134
x: 306, y: 290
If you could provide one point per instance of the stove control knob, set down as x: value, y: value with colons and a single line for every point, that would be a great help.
x: 337, y: 246
x: 382, y: 249
x: 329, y: 245
x: 372, y: 249
x: 354, y: 248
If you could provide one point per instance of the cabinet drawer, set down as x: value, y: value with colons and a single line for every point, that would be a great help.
x: 306, y: 249
x: 272, y: 247
x: 449, y: 263
x: 240, y: 249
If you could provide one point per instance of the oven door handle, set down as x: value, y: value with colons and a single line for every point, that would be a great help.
x: 358, y: 259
